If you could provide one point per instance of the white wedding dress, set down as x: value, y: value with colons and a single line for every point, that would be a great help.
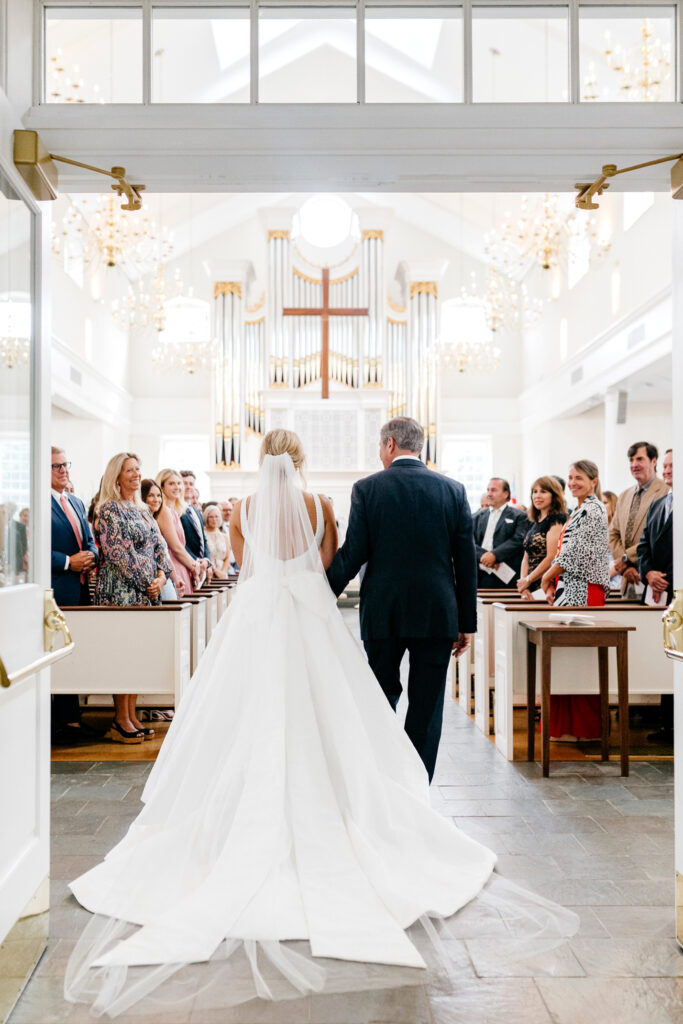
x: 287, y: 803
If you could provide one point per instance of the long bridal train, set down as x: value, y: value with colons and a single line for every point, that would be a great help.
x: 286, y: 843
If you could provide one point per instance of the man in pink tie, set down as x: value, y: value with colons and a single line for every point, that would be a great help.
x: 74, y: 553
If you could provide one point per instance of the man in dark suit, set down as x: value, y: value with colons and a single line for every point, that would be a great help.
x: 193, y: 524
x: 499, y: 533
x: 73, y: 553
x: 411, y: 528
x: 656, y: 569
x: 656, y: 545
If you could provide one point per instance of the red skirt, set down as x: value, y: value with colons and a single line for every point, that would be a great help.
x: 578, y: 714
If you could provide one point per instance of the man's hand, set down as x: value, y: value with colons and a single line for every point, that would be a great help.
x: 462, y: 644
x: 631, y: 575
x: 488, y: 559
x: 620, y: 566
x: 81, y: 561
x: 657, y: 581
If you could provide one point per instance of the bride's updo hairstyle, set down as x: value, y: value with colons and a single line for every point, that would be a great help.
x: 279, y: 442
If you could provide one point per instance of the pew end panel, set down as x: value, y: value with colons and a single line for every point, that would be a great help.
x: 160, y: 636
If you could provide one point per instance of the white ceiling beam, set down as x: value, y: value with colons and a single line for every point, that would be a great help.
x: 351, y: 147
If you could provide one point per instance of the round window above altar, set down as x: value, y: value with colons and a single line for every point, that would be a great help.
x: 325, y: 222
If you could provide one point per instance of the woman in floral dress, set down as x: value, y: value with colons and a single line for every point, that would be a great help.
x: 133, y: 568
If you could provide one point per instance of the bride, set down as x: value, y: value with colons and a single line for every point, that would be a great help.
x: 287, y: 802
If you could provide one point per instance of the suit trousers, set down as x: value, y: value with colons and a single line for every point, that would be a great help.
x: 429, y: 658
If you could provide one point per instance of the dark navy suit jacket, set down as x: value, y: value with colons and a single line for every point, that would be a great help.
x: 656, y: 545
x: 508, y: 541
x: 412, y: 529
x: 195, y: 538
x: 66, y: 583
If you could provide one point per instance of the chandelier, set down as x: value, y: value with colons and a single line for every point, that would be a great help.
x: 505, y: 303
x: 15, y: 331
x: 60, y: 88
x: 131, y: 240
x: 185, y: 344
x: 545, y: 236
x: 141, y: 309
x: 641, y: 73
x: 465, y: 343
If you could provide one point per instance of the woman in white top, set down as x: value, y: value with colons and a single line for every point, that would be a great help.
x: 219, y: 542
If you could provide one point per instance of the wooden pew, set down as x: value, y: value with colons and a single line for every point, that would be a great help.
x: 483, y: 653
x: 159, y: 637
x: 198, y: 606
x: 573, y: 671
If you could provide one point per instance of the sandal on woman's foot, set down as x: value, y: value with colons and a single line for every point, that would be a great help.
x: 147, y: 734
x: 120, y: 735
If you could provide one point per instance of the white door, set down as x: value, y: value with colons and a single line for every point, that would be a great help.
x: 24, y: 572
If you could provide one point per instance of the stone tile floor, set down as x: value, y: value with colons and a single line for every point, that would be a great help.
x: 585, y: 837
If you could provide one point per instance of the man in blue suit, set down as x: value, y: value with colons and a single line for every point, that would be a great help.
x: 73, y: 553
x: 192, y: 522
x: 412, y: 530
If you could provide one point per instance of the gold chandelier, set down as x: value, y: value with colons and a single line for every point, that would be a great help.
x: 185, y: 345
x: 465, y: 343
x: 131, y: 241
x: 141, y: 309
x: 642, y: 72
x: 64, y: 88
x: 15, y: 330
x: 506, y: 304
x: 543, y: 236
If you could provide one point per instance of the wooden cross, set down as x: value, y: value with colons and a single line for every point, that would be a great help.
x: 325, y: 311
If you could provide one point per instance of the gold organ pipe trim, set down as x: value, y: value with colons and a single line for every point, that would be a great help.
x: 372, y: 233
x: 257, y: 305
x: 279, y: 233
x: 227, y: 288
x: 251, y: 323
x: 398, y: 323
x: 424, y: 288
x: 394, y: 306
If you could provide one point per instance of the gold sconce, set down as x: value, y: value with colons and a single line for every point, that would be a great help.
x: 587, y: 192
x: 37, y: 168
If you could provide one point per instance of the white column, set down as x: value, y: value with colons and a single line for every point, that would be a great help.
x: 614, y: 471
x: 677, y: 382
x: 372, y: 269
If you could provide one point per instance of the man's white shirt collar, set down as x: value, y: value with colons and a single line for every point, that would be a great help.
x: 415, y: 458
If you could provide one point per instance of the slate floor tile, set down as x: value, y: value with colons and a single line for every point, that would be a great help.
x: 491, y: 1001
x: 591, y: 1001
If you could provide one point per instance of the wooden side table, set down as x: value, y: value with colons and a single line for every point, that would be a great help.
x: 546, y: 634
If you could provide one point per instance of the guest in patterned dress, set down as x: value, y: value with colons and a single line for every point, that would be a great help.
x: 219, y: 543
x: 579, y: 576
x: 548, y: 514
x: 133, y: 566
x: 186, y: 569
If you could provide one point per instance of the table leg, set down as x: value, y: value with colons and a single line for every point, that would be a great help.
x: 546, y: 651
x: 622, y: 684
x: 531, y: 699
x: 603, y: 676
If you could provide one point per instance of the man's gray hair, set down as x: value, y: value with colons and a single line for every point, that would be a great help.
x: 406, y: 432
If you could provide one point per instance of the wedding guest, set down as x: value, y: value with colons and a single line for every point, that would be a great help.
x: 609, y: 500
x: 73, y: 554
x: 499, y: 534
x: 226, y: 508
x: 656, y: 568
x: 628, y: 521
x: 134, y: 565
x: 193, y: 524
x: 484, y: 500
x: 219, y: 544
x: 548, y: 514
x: 153, y: 499
x: 186, y: 569
x: 579, y: 575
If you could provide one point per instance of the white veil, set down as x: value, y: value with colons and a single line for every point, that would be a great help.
x: 276, y: 525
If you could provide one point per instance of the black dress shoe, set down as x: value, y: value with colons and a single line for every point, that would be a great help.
x: 69, y: 736
x: 90, y: 732
x: 661, y: 736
